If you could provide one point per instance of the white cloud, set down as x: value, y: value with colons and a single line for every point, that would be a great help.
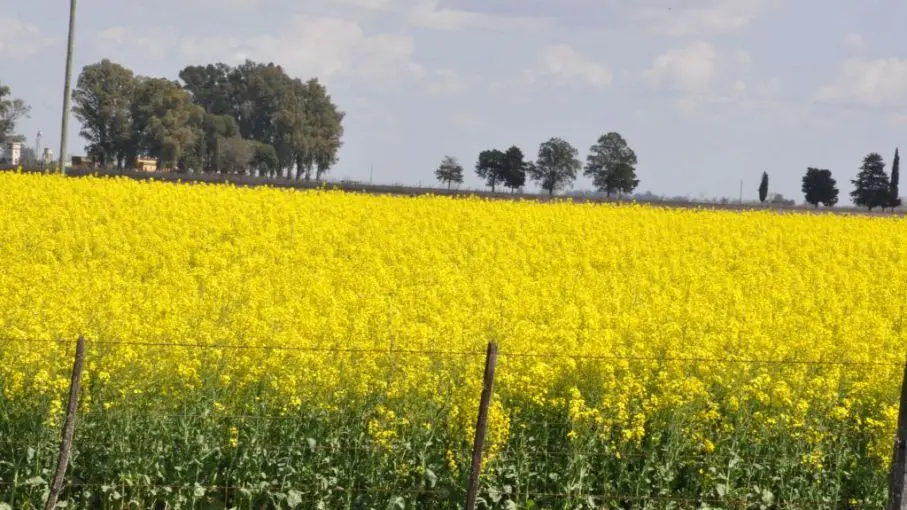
x: 20, y: 40
x: 466, y: 121
x: 429, y: 14
x: 325, y: 47
x: 556, y: 64
x: 702, y: 81
x: 691, y: 69
x: 854, y: 42
x: 563, y: 65
x: 716, y: 17
x: 867, y: 82
x: 446, y: 82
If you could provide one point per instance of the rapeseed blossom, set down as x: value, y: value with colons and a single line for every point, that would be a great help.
x: 241, y: 323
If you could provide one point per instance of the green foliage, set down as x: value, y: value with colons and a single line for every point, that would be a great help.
x: 450, y: 171
x: 201, y: 457
x: 611, y: 164
x: 125, y: 117
x: 11, y: 110
x: 235, y: 154
x: 165, y: 123
x: 556, y: 166
x: 515, y: 168
x: 490, y: 166
x: 265, y: 157
x: 819, y: 187
x: 871, y: 187
x: 102, y: 102
x: 298, y: 119
x: 894, y: 199
x: 763, y: 187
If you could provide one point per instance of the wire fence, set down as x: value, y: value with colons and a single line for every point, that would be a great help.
x: 473, y: 353
x: 599, y: 499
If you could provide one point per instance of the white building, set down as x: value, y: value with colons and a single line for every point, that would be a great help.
x: 48, y: 156
x: 14, y: 153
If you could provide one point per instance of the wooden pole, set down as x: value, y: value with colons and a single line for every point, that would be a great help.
x: 68, y: 426
x: 491, y: 359
x: 898, y: 477
x: 67, y: 85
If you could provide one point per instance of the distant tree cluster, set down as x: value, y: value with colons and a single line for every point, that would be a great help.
x: 219, y: 119
x: 611, y: 164
x: 873, y: 187
x: 11, y: 110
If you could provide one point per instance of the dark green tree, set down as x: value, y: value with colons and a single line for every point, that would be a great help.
x: 264, y: 158
x: 556, y: 166
x: 166, y: 125
x: 102, y: 102
x: 214, y: 128
x: 819, y: 187
x: 324, y: 121
x: 235, y: 155
x: 11, y: 111
x: 871, y: 187
x: 894, y: 199
x: 611, y: 164
x: 763, y: 188
x: 211, y: 88
x: 297, y: 118
x: 515, y: 167
x: 490, y: 166
x: 449, y: 171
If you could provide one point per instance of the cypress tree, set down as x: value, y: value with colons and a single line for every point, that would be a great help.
x: 894, y: 199
x: 763, y: 188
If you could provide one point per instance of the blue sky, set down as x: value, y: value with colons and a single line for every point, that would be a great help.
x: 707, y: 92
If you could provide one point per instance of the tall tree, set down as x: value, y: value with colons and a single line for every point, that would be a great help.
x: 515, y: 168
x: 556, y: 166
x: 102, y: 102
x: 450, y: 171
x: 490, y: 166
x: 611, y: 164
x: 894, y: 199
x: 214, y: 128
x: 211, y: 88
x: 326, y: 121
x: 763, y: 187
x: 11, y: 110
x: 819, y: 187
x: 166, y: 123
x: 871, y: 187
x: 265, y: 158
x: 235, y: 155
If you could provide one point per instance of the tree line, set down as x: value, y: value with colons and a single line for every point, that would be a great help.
x: 873, y: 187
x: 218, y: 118
x: 254, y: 116
x: 611, y: 164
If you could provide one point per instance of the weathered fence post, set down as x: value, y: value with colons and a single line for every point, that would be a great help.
x: 68, y: 426
x: 898, y: 480
x: 491, y: 359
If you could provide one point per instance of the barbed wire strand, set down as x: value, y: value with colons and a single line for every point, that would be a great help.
x: 502, y: 354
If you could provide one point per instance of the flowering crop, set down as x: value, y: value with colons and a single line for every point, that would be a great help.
x: 249, y: 347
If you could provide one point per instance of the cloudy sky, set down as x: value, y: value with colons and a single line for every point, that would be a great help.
x: 708, y: 92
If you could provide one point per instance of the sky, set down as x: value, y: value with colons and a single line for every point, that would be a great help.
x: 707, y: 92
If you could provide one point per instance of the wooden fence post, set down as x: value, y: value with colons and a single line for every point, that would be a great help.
x: 898, y: 477
x: 68, y: 426
x: 491, y: 359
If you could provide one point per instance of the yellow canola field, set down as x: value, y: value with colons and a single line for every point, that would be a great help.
x: 636, y: 326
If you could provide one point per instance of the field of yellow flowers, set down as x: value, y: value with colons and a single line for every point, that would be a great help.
x: 254, y: 347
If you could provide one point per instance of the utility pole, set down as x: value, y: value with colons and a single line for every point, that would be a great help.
x: 741, y: 191
x: 67, y: 82
x: 371, y: 171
